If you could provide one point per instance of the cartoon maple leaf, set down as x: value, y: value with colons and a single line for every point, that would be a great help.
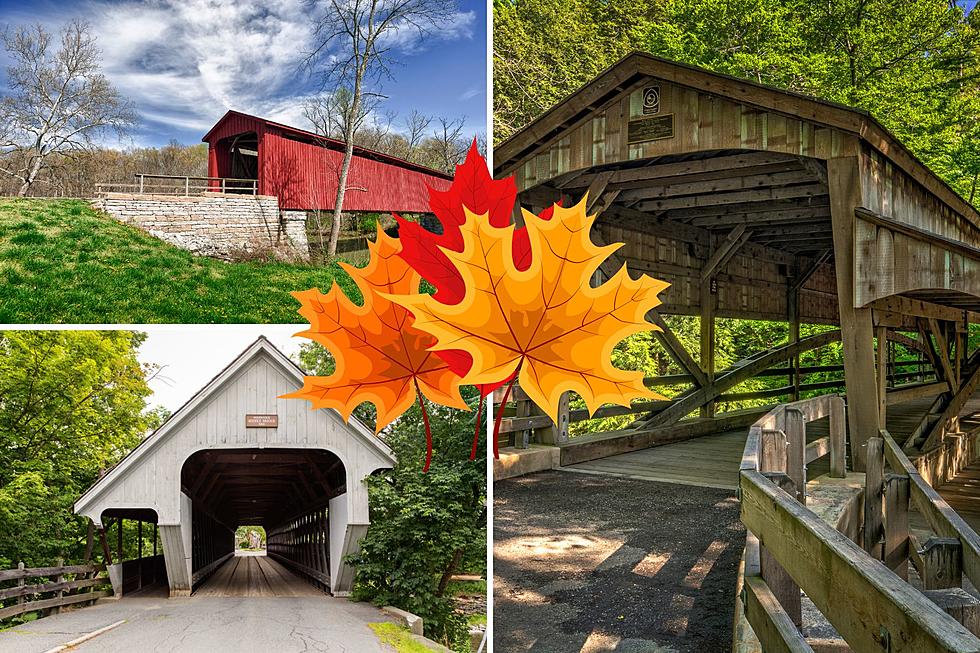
x: 380, y: 357
x: 546, y: 322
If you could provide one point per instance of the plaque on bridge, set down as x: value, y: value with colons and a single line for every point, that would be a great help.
x: 261, y: 421
x: 653, y: 128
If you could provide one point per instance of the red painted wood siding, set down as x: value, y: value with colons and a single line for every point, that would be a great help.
x: 303, y: 175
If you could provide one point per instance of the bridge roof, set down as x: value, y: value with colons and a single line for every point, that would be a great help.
x: 631, y: 70
x: 261, y: 347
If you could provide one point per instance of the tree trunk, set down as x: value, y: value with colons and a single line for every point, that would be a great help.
x: 450, y: 570
x: 344, y: 168
x: 31, y: 176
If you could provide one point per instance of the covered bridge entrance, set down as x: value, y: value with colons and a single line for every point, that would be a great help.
x: 756, y: 203
x: 236, y: 454
x: 759, y: 204
x: 302, y: 168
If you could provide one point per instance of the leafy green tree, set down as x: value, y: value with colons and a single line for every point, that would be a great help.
x: 71, y: 405
x: 913, y: 64
x: 426, y: 526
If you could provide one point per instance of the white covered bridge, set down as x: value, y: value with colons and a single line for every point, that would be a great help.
x: 237, y: 454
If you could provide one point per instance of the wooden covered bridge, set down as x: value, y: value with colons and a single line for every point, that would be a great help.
x: 237, y: 454
x: 757, y: 203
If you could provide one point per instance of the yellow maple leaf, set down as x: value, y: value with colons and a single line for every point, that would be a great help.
x: 380, y: 357
x: 547, y: 319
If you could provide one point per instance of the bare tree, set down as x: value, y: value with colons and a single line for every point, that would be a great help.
x: 451, y: 145
x: 59, y: 101
x: 416, y: 125
x: 355, y: 45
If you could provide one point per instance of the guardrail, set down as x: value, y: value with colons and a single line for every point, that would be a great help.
x: 180, y: 186
x: 862, y: 592
x: 523, y: 422
x: 55, y: 587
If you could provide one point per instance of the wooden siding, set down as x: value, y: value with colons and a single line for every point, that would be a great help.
x: 302, y: 170
x: 153, y: 480
x: 702, y: 122
x: 753, y: 285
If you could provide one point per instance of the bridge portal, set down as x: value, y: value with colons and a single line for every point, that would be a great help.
x: 236, y: 454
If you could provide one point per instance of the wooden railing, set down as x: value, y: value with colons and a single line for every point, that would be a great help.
x: 861, y: 591
x: 523, y: 423
x: 180, y: 186
x: 50, y: 588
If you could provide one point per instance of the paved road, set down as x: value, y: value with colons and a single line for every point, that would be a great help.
x: 595, y: 564
x: 208, y: 625
x: 251, y: 574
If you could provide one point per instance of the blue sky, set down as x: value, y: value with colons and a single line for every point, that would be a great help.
x: 185, y: 62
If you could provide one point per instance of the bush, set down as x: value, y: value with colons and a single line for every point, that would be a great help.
x: 426, y: 526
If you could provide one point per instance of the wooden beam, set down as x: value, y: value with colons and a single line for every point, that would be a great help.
x: 743, y: 370
x: 716, y: 199
x: 837, y: 576
x: 952, y: 409
x: 726, y: 250
x: 942, y: 351
x: 676, y: 349
x: 844, y: 177
x: 770, y: 622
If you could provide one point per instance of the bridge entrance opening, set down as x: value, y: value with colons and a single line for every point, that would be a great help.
x: 238, y: 159
x: 288, y: 492
x: 132, y: 545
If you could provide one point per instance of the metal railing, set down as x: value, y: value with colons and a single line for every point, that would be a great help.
x: 181, y: 186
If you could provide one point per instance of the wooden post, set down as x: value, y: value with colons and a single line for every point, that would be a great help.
x: 708, y: 339
x: 557, y: 433
x: 141, y: 184
x: 838, y: 438
x: 20, y: 583
x: 58, y: 578
x: 844, y: 181
x: 942, y: 563
x: 772, y: 446
x: 896, y: 554
x: 119, y: 539
x: 793, y: 306
x: 139, y: 550
x: 874, y: 478
x: 791, y: 423
x: 881, y: 333
x: 783, y: 587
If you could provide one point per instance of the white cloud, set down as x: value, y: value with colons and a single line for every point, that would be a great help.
x: 185, y: 62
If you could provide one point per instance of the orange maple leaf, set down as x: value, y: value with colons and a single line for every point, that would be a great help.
x: 547, y: 321
x: 380, y: 357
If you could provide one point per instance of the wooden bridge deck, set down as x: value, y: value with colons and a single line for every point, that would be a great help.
x: 255, y: 575
x: 712, y: 460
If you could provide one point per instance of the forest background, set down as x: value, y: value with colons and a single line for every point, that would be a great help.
x: 913, y: 64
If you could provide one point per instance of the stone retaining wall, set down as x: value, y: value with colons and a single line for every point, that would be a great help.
x: 220, y: 225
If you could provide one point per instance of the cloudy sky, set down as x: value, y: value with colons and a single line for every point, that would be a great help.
x: 192, y: 355
x: 185, y: 62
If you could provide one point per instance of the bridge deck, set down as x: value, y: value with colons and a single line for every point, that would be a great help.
x: 712, y: 460
x: 248, y: 574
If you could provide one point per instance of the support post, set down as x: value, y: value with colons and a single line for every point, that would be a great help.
x: 793, y: 305
x: 783, y: 587
x: 942, y: 563
x: 874, y: 479
x: 844, y: 181
x: 896, y: 554
x: 881, y: 333
x: 708, y: 340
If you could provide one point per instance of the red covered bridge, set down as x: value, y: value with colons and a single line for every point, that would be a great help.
x: 302, y: 168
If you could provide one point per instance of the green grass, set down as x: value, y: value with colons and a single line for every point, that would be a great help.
x: 63, y: 262
x: 399, y: 638
x: 457, y: 587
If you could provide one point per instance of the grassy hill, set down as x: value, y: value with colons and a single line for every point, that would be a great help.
x: 63, y: 262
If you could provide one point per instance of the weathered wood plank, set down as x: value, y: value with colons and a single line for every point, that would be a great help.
x: 861, y: 598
